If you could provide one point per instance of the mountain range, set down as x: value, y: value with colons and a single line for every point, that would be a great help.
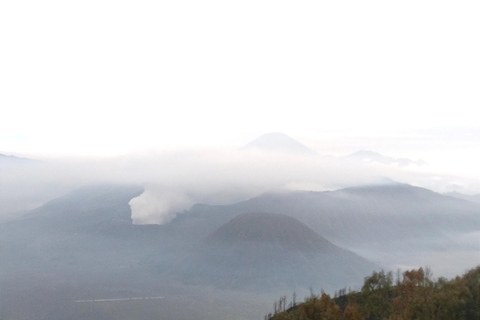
x: 83, y: 247
x: 367, y: 156
x: 262, y: 245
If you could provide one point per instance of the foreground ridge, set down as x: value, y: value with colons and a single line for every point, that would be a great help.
x: 413, y: 295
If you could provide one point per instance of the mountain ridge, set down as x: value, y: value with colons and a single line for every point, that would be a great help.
x: 369, y: 156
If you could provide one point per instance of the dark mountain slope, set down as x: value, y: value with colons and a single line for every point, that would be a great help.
x: 279, y: 230
x: 74, y: 213
x: 88, y: 230
x: 264, y: 251
x: 87, y: 205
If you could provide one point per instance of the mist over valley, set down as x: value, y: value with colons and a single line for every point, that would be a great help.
x: 144, y: 236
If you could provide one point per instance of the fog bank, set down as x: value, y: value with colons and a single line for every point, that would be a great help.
x: 175, y: 180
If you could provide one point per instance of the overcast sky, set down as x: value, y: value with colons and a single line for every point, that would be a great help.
x: 111, y: 77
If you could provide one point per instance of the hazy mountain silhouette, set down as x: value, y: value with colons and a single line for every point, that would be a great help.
x: 392, y: 217
x: 279, y: 142
x: 474, y: 197
x: 88, y: 234
x: 11, y: 159
x: 265, y: 251
x: 86, y: 206
x: 368, y: 156
x: 387, y: 217
x: 62, y: 230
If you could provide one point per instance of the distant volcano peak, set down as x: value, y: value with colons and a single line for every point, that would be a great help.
x: 279, y: 142
x: 262, y: 251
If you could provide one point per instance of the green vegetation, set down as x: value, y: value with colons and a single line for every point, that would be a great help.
x: 414, y: 295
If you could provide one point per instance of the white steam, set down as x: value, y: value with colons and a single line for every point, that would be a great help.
x: 157, y: 206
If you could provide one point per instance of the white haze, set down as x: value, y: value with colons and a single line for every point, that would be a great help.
x: 104, y: 78
x: 174, y: 181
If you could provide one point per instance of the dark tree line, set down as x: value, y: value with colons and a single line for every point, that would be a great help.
x: 413, y: 295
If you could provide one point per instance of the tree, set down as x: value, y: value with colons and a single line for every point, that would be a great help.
x: 329, y: 310
x: 352, y: 312
x: 377, y: 294
x: 283, y: 302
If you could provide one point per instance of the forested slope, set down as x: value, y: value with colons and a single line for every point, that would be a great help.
x: 413, y: 295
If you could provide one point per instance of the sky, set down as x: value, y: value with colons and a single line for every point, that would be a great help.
x: 158, y: 83
x: 102, y: 78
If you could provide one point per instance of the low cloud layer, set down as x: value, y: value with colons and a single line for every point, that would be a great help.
x: 174, y: 181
